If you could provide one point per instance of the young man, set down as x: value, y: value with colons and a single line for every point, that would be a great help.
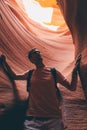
x: 43, y: 111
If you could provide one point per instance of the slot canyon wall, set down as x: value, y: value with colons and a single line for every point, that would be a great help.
x: 18, y: 34
x: 74, y: 12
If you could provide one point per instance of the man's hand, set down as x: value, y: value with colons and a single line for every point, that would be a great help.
x: 78, y: 61
x: 2, y: 59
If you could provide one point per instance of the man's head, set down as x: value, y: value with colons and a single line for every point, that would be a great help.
x: 35, y: 56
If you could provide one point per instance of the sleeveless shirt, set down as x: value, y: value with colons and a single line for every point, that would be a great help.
x: 43, y: 101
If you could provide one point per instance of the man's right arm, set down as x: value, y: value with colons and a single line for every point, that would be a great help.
x: 8, y: 69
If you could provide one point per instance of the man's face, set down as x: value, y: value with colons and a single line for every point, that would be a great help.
x: 36, y: 57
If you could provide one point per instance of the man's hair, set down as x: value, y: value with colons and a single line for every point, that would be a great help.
x: 30, y: 52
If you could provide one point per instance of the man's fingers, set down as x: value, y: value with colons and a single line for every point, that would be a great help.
x: 78, y: 59
x: 3, y: 57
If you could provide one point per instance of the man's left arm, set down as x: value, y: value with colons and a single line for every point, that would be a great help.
x: 73, y: 84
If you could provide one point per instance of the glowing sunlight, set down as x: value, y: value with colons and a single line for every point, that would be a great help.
x: 42, y: 15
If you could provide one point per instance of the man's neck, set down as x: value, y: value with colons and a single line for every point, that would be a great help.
x: 40, y: 66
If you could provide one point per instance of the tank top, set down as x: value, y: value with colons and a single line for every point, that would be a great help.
x: 43, y: 101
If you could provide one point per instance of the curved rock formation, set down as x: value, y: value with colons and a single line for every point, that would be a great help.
x: 74, y: 12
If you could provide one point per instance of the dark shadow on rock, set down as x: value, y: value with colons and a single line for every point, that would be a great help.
x: 13, y: 119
